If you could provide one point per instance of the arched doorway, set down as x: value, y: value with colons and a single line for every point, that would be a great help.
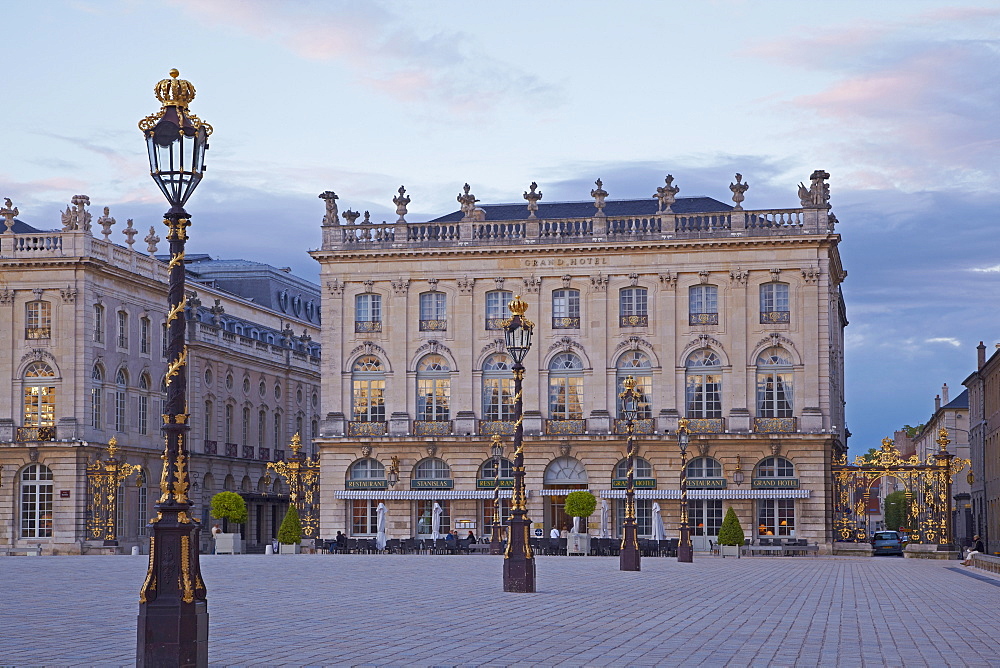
x: 563, y: 473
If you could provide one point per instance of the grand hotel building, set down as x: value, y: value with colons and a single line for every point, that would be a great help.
x: 729, y: 317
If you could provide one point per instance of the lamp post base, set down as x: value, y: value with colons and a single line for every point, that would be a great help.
x: 496, y: 546
x: 519, y: 562
x: 685, y: 551
x: 629, y: 558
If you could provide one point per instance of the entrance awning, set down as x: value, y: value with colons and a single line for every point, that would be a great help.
x: 698, y: 494
x: 420, y: 494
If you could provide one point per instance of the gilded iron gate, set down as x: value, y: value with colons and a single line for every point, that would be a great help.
x: 927, y: 486
x: 302, y: 476
x: 104, y: 481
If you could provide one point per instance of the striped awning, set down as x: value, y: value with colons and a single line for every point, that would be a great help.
x: 420, y: 494
x: 560, y: 492
x: 697, y: 494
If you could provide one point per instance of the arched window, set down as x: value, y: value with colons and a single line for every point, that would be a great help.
x: 566, y: 387
x: 431, y: 468
x: 366, y: 469
x: 775, y: 467
x: 368, y: 380
x: 143, y: 403
x: 636, y: 364
x: 38, y: 320
x: 566, y: 309
x: 774, y: 384
x: 39, y: 398
x: 368, y: 312
x: 496, y: 308
x: 121, y: 399
x: 704, y: 467
x: 703, y: 305
x: 97, y: 397
x: 641, y: 468
x: 498, y: 388
x: 774, y: 303
x: 489, y: 469
x: 704, y: 385
x: 433, y: 389
x: 433, y: 312
x: 36, y: 501
x: 633, y: 307
x: 565, y: 471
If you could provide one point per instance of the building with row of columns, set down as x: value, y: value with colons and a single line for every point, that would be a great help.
x: 83, y: 358
x: 731, y: 318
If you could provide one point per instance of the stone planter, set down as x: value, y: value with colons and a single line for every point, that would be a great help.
x: 852, y: 549
x: 730, y: 551
x: 578, y: 543
x: 229, y: 543
x: 290, y: 549
x: 929, y: 551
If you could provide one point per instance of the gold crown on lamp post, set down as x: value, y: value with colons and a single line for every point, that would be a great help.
x: 296, y: 443
x: 112, y: 446
x: 174, y: 92
x: 517, y: 305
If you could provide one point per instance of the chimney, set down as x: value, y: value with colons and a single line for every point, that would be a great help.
x: 944, y: 394
x: 937, y: 403
x: 981, y: 354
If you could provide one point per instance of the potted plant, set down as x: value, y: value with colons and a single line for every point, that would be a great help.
x: 579, y: 504
x: 730, y: 535
x: 290, y: 532
x: 229, y: 506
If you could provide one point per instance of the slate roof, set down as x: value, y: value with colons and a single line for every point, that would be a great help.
x: 961, y: 401
x: 613, y: 208
x: 20, y: 227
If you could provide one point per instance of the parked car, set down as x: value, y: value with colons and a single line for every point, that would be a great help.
x: 888, y: 542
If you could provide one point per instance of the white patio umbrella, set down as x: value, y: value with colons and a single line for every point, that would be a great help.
x: 604, y: 519
x: 436, y: 522
x: 380, y: 525
x: 658, y: 531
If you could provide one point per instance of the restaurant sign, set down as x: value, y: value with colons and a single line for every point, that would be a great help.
x: 639, y: 483
x: 775, y: 483
x: 367, y: 484
x: 706, y: 483
x: 491, y: 483
x: 432, y: 484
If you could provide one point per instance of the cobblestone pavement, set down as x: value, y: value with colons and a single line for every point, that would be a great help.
x: 450, y: 610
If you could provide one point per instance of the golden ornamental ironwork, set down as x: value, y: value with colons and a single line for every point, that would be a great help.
x: 303, y: 478
x: 104, y: 481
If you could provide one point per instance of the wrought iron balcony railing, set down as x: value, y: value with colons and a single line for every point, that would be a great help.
x: 703, y: 318
x: 770, y: 317
x: 366, y: 428
x: 566, y: 323
x: 633, y: 321
x: 565, y: 426
x: 25, y: 434
x: 211, y: 447
x: 639, y: 426
x: 232, y: 450
x: 433, y: 325
x: 34, y: 333
x: 248, y: 452
x: 432, y: 427
x: 495, y: 323
x: 366, y: 326
x: 706, y: 425
x: 502, y: 427
x: 768, y: 425
x: 264, y: 454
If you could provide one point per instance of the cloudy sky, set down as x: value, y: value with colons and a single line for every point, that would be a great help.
x: 899, y: 101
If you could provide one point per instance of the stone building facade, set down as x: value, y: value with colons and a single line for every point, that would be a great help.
x: 82, y: 352
x: 729, y: 317
x: 984, y: 447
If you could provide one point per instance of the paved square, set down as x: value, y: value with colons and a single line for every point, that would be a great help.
x: 450, y: 610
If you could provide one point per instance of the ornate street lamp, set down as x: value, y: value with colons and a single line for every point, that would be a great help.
x: 738, y: 475
x: 496, y: 451
x: 173, y: 607
x: 685, y: 553
x: 392, y: 475
x: 302, y: 476
x: 518, y: 558
x: 629, y: 557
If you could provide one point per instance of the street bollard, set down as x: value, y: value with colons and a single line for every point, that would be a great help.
x: 268, y: 549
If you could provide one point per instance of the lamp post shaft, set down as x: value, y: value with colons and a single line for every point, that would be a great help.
x: 496, y: 528
x: 685, y: 551
x: 173, y: 610
x: 519, y: 560
x: 629, y: 557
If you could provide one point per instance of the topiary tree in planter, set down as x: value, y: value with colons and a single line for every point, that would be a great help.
x: 579, y: 504
x: 229, y: 506
x: 731, y: 534
x: 290, y: 532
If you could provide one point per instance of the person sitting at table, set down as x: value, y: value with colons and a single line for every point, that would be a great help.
x: 341, y: 540
x: 471, y: 538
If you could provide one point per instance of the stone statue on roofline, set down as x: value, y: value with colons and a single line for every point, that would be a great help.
x: 106, y: 222
x: 76, y: 218
x: 330, y: 218
x: 599, y: 195
x: 667, y: 195
x: 468, y: 203
x: 817, y: 195
x: 9, y: 211
x: 532, y: 199
x: 739, y: 188
x: 401, y: 201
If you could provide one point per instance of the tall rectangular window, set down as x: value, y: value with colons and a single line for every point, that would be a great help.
x: 140, y: 525
x: 496, y: 308
x: 633, y: 307
x: 368, y: 313
x: 144, y: 336
x: 229, y: 423
x: 364, y: 517
x: 120, y: 399
x: 163, y: 341
x: 122, y: 329
x: 261, y: 428
x: 565, y: 397
x: 369, y: 400
x: 246, y: 426
x: 98, y: 323
x: 38, y: 320
x: 498, y: 398
x: 433, y: 312
x: 774, y: 303
x: 565, y: 309
x: 425, y: 517
x: 143, y: 414
x: 703, y: 305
